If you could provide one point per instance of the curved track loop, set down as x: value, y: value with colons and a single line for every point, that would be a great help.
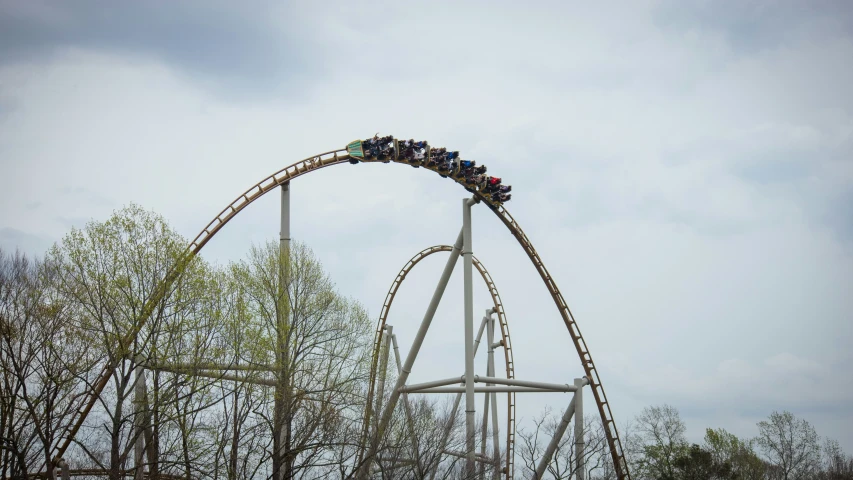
x: 298, y: 169
x: 504, y: 327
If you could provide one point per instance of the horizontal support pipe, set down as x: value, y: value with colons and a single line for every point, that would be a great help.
x: 477, y: 457
x: 207, y: 366
x: 99, y: 472
x: 560, y: 387
x: 432, y: 384
x: 218, y: 376
x: 496, y: 389
x: 397, y: 462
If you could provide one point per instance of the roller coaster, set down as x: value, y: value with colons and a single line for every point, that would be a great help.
x: 484, y: 189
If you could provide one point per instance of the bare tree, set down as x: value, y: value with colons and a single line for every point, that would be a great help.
x: 790, y: 445
x: 563, y: 464
x: 42, y: 357
x: 836, y: 464
x: 436, y: 432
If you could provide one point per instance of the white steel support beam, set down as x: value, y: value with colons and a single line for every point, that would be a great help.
x: 561, y: 429
x: 435, y: 383
x: 468, y: 269
x: 449, y: 427
x: 383, y: 373
x: 139, y: 422
x: 564, y: 387
x: 364, y: 470
x: 282, y: 324
x: 477, y: 457
x: 408, y: 407
x: 491, y: 373
x: 494, y: 388
x: 485, y: 426
x: 555, y: 440
x: 579, y: 440
x: 66, y: 470
x: 284, y: 234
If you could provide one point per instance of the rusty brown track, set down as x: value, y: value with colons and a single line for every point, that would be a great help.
x: 99, y: 472
x: 507, y: 341
x: 316, y: 162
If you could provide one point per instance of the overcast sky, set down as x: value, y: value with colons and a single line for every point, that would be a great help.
x: 685, y: 170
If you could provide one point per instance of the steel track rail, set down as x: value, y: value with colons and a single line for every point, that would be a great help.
x: 97, y: 472
x: 298, y: 169
x: 504, y: 327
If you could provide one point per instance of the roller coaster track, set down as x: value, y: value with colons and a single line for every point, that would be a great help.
x: 310, y: 164
x: 98, y: 472
x: 507, y: 342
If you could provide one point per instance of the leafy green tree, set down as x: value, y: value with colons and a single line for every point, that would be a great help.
x: 696, y: 463
x: 317, y: 344
x: 728, y: 449
x: 107, y: 272
x: 661, y: 431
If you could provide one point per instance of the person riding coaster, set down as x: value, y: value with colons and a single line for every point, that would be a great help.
x: 492, y: 185
x: 436, y: 156
x: 372, y: 146
x: 465, y: 168
x: 417, y: 151
x: 407, y: 152
x: 501, y: 197
x: 505, y: 188
x: 386, y: 151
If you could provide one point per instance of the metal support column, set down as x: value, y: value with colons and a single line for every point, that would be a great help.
x: 452, y: 420
x: 555, y: 440
x: 470, y: 408
x: 407, y: 406
x: 486, y: 397
x: 282, y: 387
x: 561, y: 429
x: 139, y: 420
x: 579, y: 440
x: 66, y: 470
x: 284, y: 234
x: 364, y: 470
x: 383, y: 371
x: 491, y: 370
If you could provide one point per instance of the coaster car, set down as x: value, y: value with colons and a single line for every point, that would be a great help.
x: 355, y: 151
